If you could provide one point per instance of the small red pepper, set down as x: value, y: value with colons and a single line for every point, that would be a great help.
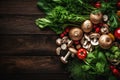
x: 82, y: 53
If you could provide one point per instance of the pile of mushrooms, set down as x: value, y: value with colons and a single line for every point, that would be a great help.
x: 85, y: 36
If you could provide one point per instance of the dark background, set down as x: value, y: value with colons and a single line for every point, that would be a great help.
x: 26, y: 52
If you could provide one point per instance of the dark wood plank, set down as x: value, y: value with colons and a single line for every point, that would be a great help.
x: 30, y: 64
x: 21, y: 7
x: 43, y: 76
x: 28, y: 45
x: 31, y: 68
x: 16, y: 24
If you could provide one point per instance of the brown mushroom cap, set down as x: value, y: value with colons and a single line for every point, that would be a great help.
x: 75, y: 33
x: 87, y: 26
x: 105, y: 41
x: 96, y: 17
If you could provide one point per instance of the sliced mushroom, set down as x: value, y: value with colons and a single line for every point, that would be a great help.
x: 94, y: 38
x: 70, y: 43
x: 87, y: 37
x: 88, y: 46
x: 104, y: 29
x: 105, y: 18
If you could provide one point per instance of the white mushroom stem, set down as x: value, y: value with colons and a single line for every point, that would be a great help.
x: 64, y: 59
x: 71, y: 52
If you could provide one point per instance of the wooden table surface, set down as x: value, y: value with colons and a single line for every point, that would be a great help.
x: 27, y: 52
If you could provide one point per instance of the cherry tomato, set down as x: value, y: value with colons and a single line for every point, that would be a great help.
x: 97, y: 4
x: 116, y: 72
x: 97, y: 30
x: 112, y: 67
x: 62, y: 35
x: 64, y: 32
x: 82, y: 53
x: 117, y: 33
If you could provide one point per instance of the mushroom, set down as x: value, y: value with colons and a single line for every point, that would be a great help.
x: 94, y: 38
x: 96, y: 17
x: 104, y: 29
x: 69, y: 43
x: 75, y: 33
x: 63, y: 46
x: 70, y: 52
x: 105, y: 18
x: 87, y: 26
x: 58, y: 50
x: 64, y: 39
x: 59, y: 41
x: 105, y: 41
x: 85, y: 41
x: 88, y: 46
x: 78, y: 46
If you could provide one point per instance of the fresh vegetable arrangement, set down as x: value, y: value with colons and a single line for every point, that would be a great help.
x: 89, y: 36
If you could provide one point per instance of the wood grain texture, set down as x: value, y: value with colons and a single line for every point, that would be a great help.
x: 31, y: 68
x: 30, y: 64
x: 28, y: 45
x: 26, y: 51
x: 19, y: 7
x: 15, y: 24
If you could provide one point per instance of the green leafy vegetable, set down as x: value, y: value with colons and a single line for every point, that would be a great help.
x: 63, y: 13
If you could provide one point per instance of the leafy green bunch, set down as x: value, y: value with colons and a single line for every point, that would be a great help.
x: 96, y: 65
x: 63, y: 13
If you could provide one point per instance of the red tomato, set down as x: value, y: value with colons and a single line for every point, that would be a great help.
x: 82, y: 53
x: 116, y: 72
x: 97, y: 30
x: 117, y: 33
